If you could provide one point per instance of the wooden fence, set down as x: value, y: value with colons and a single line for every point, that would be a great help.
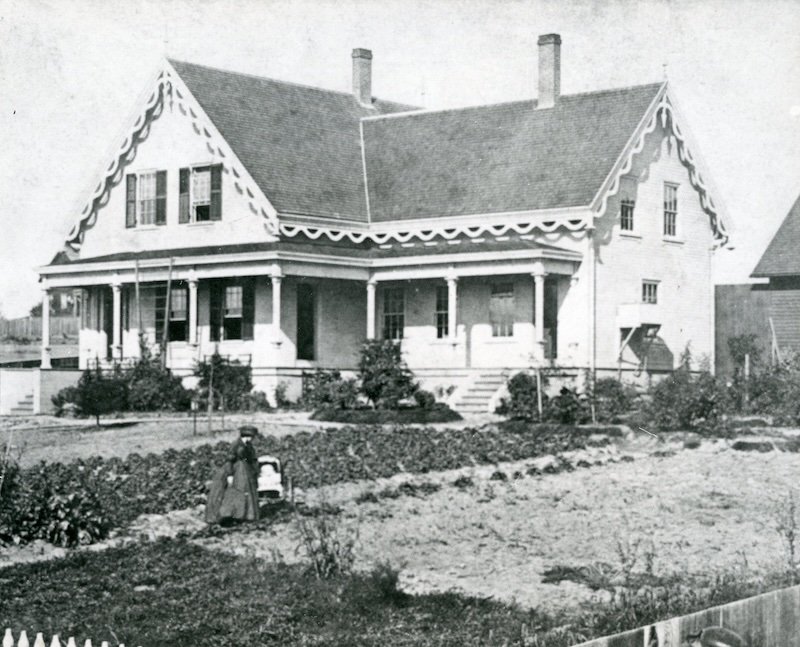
x: 31, y: 328
x: 768, y: 620
x: 8, y: 641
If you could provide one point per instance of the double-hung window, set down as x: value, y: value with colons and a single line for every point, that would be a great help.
x: 173, y: 308
x: 670, y: 209
x: 200, y: 189
x: 146, y: 201
x: 394, y: 306
x: 649, y: 291
x: 501, y: 310
x: 232, y: 311
x: 626, y: 215
x: 441, y: 314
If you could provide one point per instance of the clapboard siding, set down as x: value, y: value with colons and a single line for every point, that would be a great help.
x: 785, y: 312
x: 740, y: 310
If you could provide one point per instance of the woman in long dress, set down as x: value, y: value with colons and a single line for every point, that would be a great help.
x: 233, y: 494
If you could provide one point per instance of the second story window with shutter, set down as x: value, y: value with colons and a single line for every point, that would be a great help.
x: 200, y: 194
x: 146, y: 199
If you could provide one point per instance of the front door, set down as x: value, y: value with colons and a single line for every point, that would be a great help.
x: 306, y: 321
x: 551, y: 317
x: 107, y: 318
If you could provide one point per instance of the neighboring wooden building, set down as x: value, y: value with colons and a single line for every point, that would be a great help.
x: 781, y: 265
x: 293, y: 222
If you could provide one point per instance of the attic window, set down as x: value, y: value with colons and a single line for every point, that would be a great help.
x: 146, y: 200
x: 670, y: 209
x: 200, y: 194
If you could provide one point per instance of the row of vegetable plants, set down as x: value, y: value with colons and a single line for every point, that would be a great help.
x: 82, y: 501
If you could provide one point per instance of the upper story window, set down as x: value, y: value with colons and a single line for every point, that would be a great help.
x: 626, y: 215
x: 649, y: 292
x: 394, y: 307
x: 670, y: 209
x: 501, y: 310
x: 200, y: 194
x: 146, y: 201
x: 441, y: 313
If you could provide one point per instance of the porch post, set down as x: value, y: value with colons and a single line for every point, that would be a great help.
x: 371, y: 309
x: 193, y: 310
x: 452, y: 307
x: 116, y: 345
x: 538, y: 281
x: 46, y: 327
x: 276, y: 304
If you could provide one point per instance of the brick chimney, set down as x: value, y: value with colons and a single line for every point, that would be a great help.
x: 549, y: 70
x: 362, y: 76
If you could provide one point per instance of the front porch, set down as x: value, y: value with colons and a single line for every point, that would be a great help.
x: 284, y: 314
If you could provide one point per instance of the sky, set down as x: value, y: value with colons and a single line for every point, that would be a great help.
x: 71, y: 72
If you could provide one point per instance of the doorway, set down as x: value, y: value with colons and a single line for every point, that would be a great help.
x: 306, y: 321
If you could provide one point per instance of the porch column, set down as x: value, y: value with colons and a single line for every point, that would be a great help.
x: 371, y: 309
x: 116, y: 344
x: 276, y: 304
x: 46, y: 297
x: 538, y: 281
x: 193, y: 310
x: 452, y: 307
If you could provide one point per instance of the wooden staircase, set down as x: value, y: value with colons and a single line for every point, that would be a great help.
x: 478, y: 395
x: 24, y: 407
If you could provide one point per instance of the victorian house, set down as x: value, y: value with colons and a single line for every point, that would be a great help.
x: 283, y: 225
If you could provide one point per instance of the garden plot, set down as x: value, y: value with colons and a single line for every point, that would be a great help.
x: 696, y: 511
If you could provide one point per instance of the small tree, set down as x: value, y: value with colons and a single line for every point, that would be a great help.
x: 153, y: 387
x: 99, y: 394
x: 231, y: 380
x: 385, y: 378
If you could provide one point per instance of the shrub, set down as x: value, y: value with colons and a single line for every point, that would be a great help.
x: 328, y: 388
x: 99, y: 394
x: 522, y: 403
x: 567, y: 408
x: 685, y: 401
x: 153, y: 387
x: 425, y: 399
x: 439, y: 413
x: 329, y: 548
x: 385, y: 378
x: 612, y: 399
x: 66, y: 396
x: 775, y: 391
x: 254, y: 401
x: 230, y: 381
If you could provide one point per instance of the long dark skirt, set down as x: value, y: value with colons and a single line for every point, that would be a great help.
x: 237, y: 501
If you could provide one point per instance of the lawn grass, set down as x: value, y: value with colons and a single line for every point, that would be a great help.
x: 174, y: 593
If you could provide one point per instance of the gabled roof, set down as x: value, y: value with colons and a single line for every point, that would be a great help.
x: 302, y: 145
x: 499, y: 158
x: 782, y: 257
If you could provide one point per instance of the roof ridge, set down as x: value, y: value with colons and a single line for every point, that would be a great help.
x: 412, y: 113
x: 282, y: 82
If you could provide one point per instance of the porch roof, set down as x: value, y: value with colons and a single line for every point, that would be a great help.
x: 363, y: 252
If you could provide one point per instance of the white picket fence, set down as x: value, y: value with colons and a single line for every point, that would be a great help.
x: 8, y: 641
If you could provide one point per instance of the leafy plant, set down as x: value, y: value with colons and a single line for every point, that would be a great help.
x: 612, y: 399
x: 229, y: 380
x: 99, y: 394
x: 523, y: 401
x: 385, y: 378
x: 329, y: 547
x: 567, y: 408
x: 254, y: 401
x: 425, y: 399
x: 328, y: 388
x: 153, y: 387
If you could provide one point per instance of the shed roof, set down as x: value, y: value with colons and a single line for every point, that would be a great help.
x: 782, y: 257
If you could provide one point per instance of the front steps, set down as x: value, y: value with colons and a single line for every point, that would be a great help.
x: 24, y: 407
x: 478, y: 396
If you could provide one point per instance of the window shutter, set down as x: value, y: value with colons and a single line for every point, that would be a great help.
x: 130, y: 205
x: 216, y: 192
x: 217, y: 290
x: 161, y: 197
x: 248, y: 309
x: 183, y: 190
